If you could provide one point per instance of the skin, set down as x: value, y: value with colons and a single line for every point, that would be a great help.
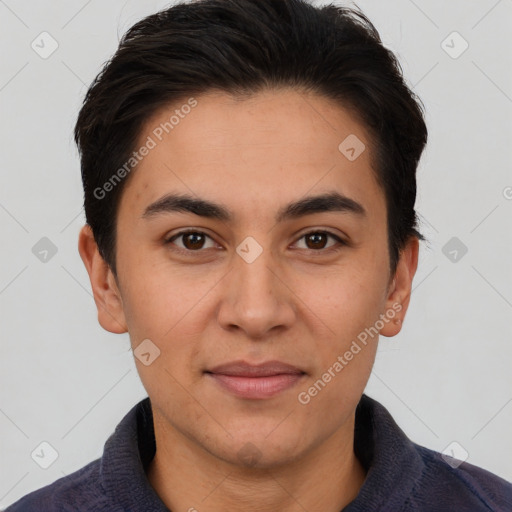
x: 299, y: 303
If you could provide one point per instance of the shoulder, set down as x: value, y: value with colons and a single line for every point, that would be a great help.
x: 449, y: 484
x: 79, y: 491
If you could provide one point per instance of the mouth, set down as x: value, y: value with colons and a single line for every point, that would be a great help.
x: 255, y: 382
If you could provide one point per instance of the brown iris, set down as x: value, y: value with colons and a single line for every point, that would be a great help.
x: 195, y: 240
x: 315, y: 239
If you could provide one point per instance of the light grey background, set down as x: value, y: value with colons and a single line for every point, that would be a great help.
x: 446, y: 377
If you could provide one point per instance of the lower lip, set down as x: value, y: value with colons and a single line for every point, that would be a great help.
x: 257, y: 387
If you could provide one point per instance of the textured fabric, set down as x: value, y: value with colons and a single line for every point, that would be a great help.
x: 401, y: 475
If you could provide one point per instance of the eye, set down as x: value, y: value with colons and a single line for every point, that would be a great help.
x: 192, y: 241
x: 317, y: 240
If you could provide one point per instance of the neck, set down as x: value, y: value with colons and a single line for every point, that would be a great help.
x: 188, y: 478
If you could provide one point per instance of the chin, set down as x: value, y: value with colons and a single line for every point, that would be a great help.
x: 257, y: 451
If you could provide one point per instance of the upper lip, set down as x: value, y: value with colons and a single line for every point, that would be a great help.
x: 266, y: 369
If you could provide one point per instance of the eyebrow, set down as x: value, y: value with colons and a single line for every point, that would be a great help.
x: 328, y: 202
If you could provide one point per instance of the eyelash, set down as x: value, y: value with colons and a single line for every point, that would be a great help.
x: 341, y: 242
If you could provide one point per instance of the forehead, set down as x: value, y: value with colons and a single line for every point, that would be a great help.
x: 245, y: 150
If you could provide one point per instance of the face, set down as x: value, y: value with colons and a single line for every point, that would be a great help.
x: 256, y: 302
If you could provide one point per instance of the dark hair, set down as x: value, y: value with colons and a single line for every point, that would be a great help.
x: 242, y: 47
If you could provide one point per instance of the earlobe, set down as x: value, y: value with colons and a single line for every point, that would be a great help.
x: 104, y: 288
x: 399, y: 293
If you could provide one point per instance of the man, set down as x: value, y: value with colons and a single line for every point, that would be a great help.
x: 249, y: 178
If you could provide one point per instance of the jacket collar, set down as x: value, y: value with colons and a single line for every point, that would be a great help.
x: 391, y: 460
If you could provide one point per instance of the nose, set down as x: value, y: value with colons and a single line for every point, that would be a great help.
x: 256, y: 297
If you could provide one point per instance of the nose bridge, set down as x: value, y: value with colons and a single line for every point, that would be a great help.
x: 253, y: 275
x: 257, y: 277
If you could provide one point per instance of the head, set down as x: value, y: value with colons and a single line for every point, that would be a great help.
x: 284, y: 137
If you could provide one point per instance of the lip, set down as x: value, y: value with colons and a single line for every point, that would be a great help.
x: 255, y: 382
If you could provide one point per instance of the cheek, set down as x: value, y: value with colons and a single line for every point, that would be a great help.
x: 345, y: 354
x: 158, y: 299
x: 344, y: 300
x: 348, y: 303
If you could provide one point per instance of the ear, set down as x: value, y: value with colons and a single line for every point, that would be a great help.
x: 399, y: 291
x: 104, y: 287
